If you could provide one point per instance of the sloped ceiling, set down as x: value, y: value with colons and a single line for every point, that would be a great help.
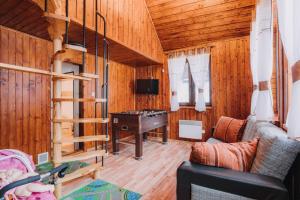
x: 185, y: 23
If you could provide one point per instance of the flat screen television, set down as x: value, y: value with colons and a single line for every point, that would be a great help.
x: 147, y: 86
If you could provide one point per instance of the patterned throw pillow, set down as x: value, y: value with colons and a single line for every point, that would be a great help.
x: 229, y: 129
x: 275, y: 152
x: 236, y: 156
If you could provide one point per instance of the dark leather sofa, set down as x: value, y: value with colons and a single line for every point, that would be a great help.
x: 195, y: 181
x: 244, y: 184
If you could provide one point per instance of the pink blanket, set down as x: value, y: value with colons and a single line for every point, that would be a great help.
x: 13, y: 159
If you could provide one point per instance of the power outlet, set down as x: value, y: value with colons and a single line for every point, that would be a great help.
x: 43, y: 158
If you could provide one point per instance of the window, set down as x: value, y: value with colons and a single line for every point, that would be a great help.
x: 187, y: 92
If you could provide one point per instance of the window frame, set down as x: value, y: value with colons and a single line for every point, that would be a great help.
x: 192, y: 93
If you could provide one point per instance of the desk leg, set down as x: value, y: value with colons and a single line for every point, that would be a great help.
x: 138, y: 146
x: 115, y: 141
x: 145, y: 136
x: 165, y: 135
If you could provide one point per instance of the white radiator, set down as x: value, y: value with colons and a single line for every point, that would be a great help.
x: 190, y: 129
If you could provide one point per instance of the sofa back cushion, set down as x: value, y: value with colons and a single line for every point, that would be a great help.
x: 251, y: 128
x: 275, y: 153
x: 229, y: 129
x: 236, y: 156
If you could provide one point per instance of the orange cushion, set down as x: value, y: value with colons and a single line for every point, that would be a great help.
x: 236, y: 156
x: 229, y: 129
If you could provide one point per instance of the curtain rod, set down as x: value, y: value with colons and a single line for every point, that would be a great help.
x: 189, y: 49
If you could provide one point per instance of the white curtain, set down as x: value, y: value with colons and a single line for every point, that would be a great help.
x: 176, y: 69
x: 253, y: 57
x: 264, y: 106
x: 289, y: 26
x: 199, y: 65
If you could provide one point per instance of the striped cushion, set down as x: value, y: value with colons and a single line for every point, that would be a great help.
x: 237, y: 156
x: 229, y: 129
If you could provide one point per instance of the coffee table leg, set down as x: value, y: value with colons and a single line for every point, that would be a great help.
x: 115, y: 141
x: 165, y: 135
x: 138, y: 146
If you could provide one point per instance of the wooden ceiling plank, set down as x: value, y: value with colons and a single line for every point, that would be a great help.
x: 208, y: 35
x: 7, y: 6
x: 205, y: 18
x: 199, y: 6
x: 202, y: 12
x: 204, y: 25
x: 210, y: 30
x: 19, y: 8
x: 171, y: 4
x: 171, y: 45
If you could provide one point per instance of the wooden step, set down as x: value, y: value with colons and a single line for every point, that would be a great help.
x: 69, y: 76
x: 82, y: 120
x: 87, y: 75
x: 52, y: 16
x: 80, y: 172
x: 96, y: 100
x: 86, y: 139
x: 83, y: 156
x: 75, y: 47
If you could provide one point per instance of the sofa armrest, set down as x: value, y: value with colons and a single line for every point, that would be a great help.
x: 240, y: 183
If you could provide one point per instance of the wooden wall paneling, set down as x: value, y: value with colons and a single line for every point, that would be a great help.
x: 25, y: 94
x: 38, y: 88
x: 231, y: 87
x: 32, y: 94
x: 4, y: 89
x: 25, y: 97
x: 19, y: 91
x: 11, y: 90
x: 128, y: 23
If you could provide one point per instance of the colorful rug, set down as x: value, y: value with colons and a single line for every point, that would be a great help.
x: 101, y: 190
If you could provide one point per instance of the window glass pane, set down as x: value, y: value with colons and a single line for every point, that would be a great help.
x: 184, y: 86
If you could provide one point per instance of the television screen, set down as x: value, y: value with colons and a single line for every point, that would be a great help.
x: 147, y: 86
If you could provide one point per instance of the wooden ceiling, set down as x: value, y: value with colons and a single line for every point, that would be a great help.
x: 26, y: 16
x: 186, y: 23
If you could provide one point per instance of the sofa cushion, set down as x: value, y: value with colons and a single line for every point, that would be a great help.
x: 251, y: 128
x: 214, y: 141
x: 229, y: 129
x: 275, y: 153
x: 237, y: 156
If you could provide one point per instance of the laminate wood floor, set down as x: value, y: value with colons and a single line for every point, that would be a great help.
x: 154, y: 177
